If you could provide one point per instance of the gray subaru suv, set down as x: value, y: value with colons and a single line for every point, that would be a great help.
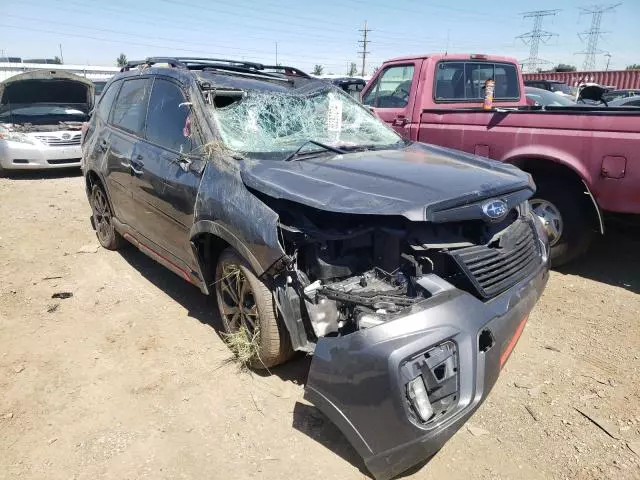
x: 407, y: 270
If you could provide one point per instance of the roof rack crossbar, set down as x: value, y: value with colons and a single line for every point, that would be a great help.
x: 174, y: 62
x: 286, y: 69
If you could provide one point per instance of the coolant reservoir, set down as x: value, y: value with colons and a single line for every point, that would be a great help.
x: 324, y: 316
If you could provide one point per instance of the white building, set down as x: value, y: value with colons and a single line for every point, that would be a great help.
x: 88, y: 71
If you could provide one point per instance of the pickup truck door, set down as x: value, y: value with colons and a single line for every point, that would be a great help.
x: 392, y: 94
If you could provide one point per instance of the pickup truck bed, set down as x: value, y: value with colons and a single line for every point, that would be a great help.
x: 584, y: 160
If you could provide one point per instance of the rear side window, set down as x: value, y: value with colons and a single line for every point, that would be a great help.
x: 131, y: 106
x: 106, y: 100
x: 169, y: 118
x: 392, y: 88
x: 465, y: 81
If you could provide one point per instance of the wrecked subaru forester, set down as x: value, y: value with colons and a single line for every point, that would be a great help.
x: 407, y: 270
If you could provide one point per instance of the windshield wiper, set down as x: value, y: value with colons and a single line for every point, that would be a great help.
x: 326, y: 147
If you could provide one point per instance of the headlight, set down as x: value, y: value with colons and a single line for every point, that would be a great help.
x: 10, y: 136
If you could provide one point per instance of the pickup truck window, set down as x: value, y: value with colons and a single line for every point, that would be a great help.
x: 464, y: 81
x: 392, y: 88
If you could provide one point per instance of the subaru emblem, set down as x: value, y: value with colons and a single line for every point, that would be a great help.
x: 495, y: 209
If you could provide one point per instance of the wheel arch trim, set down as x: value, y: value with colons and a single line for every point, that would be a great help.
x: 572, y: 165
x: 222, y: 232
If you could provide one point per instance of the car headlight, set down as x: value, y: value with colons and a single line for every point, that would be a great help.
x: 10, y: 136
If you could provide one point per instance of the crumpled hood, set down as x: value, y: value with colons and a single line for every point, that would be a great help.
x: 410, y: 181
x: 47, y: 86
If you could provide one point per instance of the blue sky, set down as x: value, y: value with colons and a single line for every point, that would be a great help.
x: 308, y: 32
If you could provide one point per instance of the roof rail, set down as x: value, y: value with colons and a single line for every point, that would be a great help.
x: 195, y: 62
x: 205, y: 60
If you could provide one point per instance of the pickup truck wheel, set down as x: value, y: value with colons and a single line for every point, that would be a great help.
x: 246, y: 305
x: 102, y: 220
x: 564, y: 215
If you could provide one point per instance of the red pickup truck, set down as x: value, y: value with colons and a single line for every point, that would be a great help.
x: 585, y: 160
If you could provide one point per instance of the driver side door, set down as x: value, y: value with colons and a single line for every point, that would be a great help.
x: 393, y: 94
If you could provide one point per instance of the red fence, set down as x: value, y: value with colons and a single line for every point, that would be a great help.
x: 616, y: 78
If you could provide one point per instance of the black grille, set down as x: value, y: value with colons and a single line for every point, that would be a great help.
x: 494, y: 268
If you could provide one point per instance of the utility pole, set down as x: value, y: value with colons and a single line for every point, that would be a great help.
x: 608, y: 55
x: 364, y: 42
x: 61, y: 57
x: 534, y: 37
x: 594, y: 34
x: 276, y: 54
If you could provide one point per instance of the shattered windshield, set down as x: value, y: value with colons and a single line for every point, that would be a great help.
x: 276, y: 122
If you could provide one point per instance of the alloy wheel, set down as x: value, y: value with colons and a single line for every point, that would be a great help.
x: 238, y: 305
x: 102, y: 216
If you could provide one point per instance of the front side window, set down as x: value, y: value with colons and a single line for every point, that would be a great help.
x: 131, y: 106
x: 169, y: 118
x: 392, y: 88
x: 465, y: 81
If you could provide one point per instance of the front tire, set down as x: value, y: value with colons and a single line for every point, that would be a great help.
x: 245, y: 302
x: 102, y: 218
x: 563, y: 210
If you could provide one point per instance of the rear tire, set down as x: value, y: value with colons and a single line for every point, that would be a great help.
x: 563, y: 209
x: 107, y: 235
x: 245, y: 301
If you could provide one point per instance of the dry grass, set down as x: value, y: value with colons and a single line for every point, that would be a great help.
x: 244, y: 345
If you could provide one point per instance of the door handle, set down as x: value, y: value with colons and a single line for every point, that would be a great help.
x: 400, y: 121
x: 137, y: 165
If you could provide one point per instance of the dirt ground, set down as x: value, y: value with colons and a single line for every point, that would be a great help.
x: 127, y: 379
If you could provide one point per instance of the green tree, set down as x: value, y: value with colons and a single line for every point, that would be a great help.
x: 564, y: 67
x: 317, y: 69
x: 57, y: 60
x: 353, y: 69
x: 635, y: 66
x: 121, y: 61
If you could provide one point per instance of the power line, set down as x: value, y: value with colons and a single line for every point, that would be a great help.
x: 364, y: 42
x: 534, y: 37
x: 593, y: 34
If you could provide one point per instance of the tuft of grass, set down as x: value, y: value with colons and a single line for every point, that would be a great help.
x: 244, y: 345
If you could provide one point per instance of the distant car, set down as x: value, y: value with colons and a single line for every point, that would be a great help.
x: 99, y: 86
x: 550, y: 85
x: 620, y: 94
x: 626, y: 102
x: 41, y: 116
x: 353, y: 86
x: 545, y: 98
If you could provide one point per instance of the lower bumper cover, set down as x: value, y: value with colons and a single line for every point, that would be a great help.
x: 357, y: 380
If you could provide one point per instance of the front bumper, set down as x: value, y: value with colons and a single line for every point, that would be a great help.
x: 24, y: 156
x: 359, y: 380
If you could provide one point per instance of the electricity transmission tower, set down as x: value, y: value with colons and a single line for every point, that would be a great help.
x: 593, y: 34
x: 364, y: 42
x: 534, y: 37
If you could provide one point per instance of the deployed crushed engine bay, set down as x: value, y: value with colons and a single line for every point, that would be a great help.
x: 350, y: 272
